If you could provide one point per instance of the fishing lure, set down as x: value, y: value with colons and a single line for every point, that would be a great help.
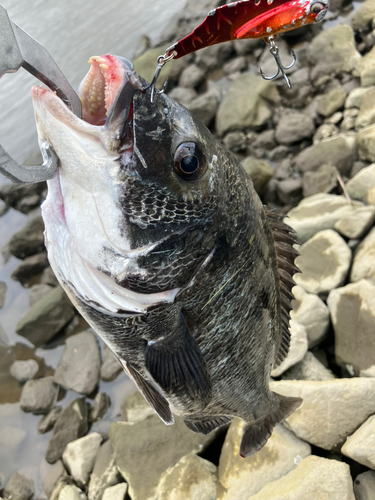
x: 247, y: 19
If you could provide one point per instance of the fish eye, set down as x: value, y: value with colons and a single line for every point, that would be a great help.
x: 317, y: 7
x: 189, y: 161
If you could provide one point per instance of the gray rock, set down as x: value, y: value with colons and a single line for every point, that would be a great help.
x: 204, y: 107
x: 245, y: 104
x: 192, y: 76
x: 289, y: 191
x: 79, y: 457
x: 352, y: 311
x: 247, y: 45
x: 192, y: 478
x: 325, y: 131
x: 48, y: 277
x: 14, y: 194
x: 366, y: 115
x: 116, y: 492
x: 236, y: 65
x: 260, y: 171
x: 46, y: 318
x: 135, y: 409
x: 30, y: 267
x: 3, y: 291
x: 324, y: 262
x: 101, y: 404
x: 336, y: 117
x: 3, y: 208
x: 28, y: 241
x: 239, y: 478
x: 38, y: 291
x: 310, y: 368
x: 79, y: 366
x: 18, y: 488
x: 357, y: 167
x: 366, y: 143
x: 359, y: 186
x: 235, y: 141
x: 183, y: 95
x: 111, y: 367
x: 71, y: 425
x: 71, y: 492
x: 278, y: 153
x: 24, y: 370
x: 332, y: 101
x: 48, y: 422
x: 262, y: 141
x: 364, y: 486
x: 53, y: 477
x: 331, y: 410
x: 38, y: 396
x: 151, y: 445
x: 314, y: 478
x: 356, y: 224
x: 355, y: 97
x: 360, y: 445
x: 363, y: 17
x: 213, y: 56
x: 297, y: 349
x: 105, y: 472
x: 293, y: 128
x: 364, y: 260
x: 365, y: 69
x: 321, y: 181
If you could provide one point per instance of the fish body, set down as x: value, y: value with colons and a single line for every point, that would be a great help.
x: 158, y: 237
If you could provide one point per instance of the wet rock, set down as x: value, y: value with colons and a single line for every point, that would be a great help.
x: 324, y: 262
x: 53, y: 477
x: 297, y: 349
x: 293, y: 128
x: 325, y: 131
x: 79, y: 366
x: 335, y: 151
x: 111, y: 367
x: 236, y: 65
x: 183, y: 95
x: 315, y: 477
x: 366, y: 143
x: 38, y: 395
x: 71, y: 492
x: 79, y: 457
x: 15, y: 194
x: 24, y: 370
x: 192, y: 76
x: 310, y: 368
x: 3, y: 291
x: 332, y: 101
x: 364, y: 486
x: 47, y: 317
x: 365, y: 69
x: 30, y: 267
x: 323, y: 180
x: 48, y: 277
x: 135, y: 409
x: 364, y: 260
x: 71, y: 425
x: 48, y: 422
x: 360, y: 445
x: 311, y: 312
x: 204, y: 106
x: 289, y: 191
x: 28, y: 241
x: 352, y: 311
x: 363, y: 17
x: 151, y: 445
x: 331, y: 410
x: 260, y: 171
x: 37, y: 292
x: 192, y: 478
x: 116, y: 492
x: 246, y: 104
x: 19, y: 488
x: 105, y: 472
x: 359, y: 186
x: 239, y: 478
x: 333, y: 52
x: 101, y: 404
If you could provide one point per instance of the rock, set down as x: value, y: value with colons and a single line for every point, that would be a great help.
x: 310, y: 368
x: 213, y: 56
x: 18, y: 488
x: 260, y: 171
x: 293, y: 128
x: 145, y: 66
x: 333, y: 52
x: 355, y: 97
x: 192, y: 478
x: 71, y: 492
x: 101, y: 404
x: 204, y: 106
x: 30, y: 267
x: 38, y: 396
x: 79, y: 366
x: 37, y: 292
x: 324, y: 262
x: 364, y: 486
x: 245, y: 104
x: 278, y: 153
x: 366, y: 115
x: 325, y: 131
x: 352, y: 311
x: 297, y: 349
x: 289, y: 191
x: 314, y: 478
x: 332, y: 101
x: 356, y: 224
x: 364, y: 260
x: 261, y: 142
x: 365, y: 69
x: 192, y: 76
x: 116, y: 492
x: 79, y: 457
x: 135, y: 409
x: 71, y: 425
x: 337, y: 116
x: 48, y: 422
x: 15, y: 194
x: 359, y: 186
x: 53, y: 477
x: 235, y: 141
x: 357, y: 167
x: 323, y: 180
x: 363, y: 17
x: 236, y: 65
x: 24, y: 370
x: 311, y: 312
x: 3, y: 291
x: 331, y: 410
x: 111, y: 367
x: 151, y: 445
x: 366, y: 143
x: 28, y: 241
x: 105, y: 472
x: 49, y: 278
x: 239, y: 478
x: 335, y: 151
x: 360, y: 445
x: 182, y: 95
x: 3, y: 208
x: 46, y: 318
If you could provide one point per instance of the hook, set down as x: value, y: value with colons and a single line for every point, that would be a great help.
x: 161, y: 61
x: 274, y: 49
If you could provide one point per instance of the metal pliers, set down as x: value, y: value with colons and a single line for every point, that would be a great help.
x: 17, y: 49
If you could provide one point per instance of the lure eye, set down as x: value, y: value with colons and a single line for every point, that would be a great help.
x: 317, y: 7
x: 189, y: 161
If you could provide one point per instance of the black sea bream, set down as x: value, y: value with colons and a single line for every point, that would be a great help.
x: 156, y: 233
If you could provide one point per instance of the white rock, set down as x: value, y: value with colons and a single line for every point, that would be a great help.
x: 361, y: 445
x: 310, y: 368
x: 357, y: 223
x: 364, y: 486
x: 297, y: 350
x: 359, y: 186
x: 24, y: 370
x: 364, y: 260
x: 116, y: 492
x: 354, y: 99
x: 71, y: 492
x: 370, y: 372
x: 79, y: 457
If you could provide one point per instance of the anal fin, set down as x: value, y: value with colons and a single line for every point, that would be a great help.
x: 205, y: 426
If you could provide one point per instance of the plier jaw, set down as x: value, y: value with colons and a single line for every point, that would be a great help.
x: 18, y: 49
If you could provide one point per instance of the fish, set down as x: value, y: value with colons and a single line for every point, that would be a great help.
x: 156, y: 233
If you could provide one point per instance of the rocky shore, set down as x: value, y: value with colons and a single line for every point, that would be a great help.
x: 300, y: 146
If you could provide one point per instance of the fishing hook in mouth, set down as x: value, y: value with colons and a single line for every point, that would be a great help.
x: 274, y: 49
x: 161, y: 61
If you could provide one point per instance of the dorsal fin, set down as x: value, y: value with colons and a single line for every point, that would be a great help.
x: 284, y: 239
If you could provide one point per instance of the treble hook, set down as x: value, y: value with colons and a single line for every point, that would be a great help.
x: 274, y: 49
x: 161, y: 61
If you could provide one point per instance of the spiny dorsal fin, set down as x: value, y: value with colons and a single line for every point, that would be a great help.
x: 284, y: 239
